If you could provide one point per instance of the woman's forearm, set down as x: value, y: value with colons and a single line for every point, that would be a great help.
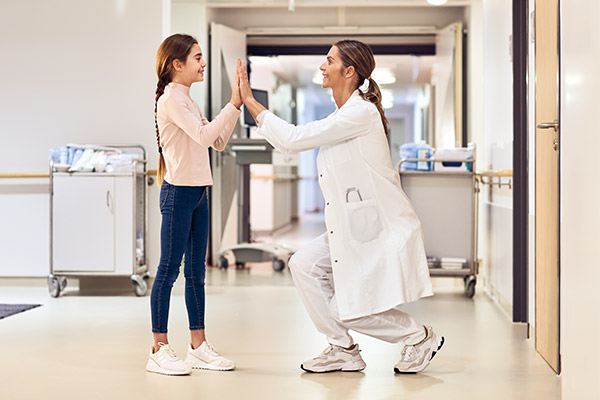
x: 254, y: 107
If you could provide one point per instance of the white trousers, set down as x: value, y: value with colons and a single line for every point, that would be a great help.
x: 311, y: 271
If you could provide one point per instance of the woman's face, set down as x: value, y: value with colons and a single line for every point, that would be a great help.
x: 193, y: 69
x: 333, y: 69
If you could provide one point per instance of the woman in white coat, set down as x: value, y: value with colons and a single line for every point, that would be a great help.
x: 373, y: 248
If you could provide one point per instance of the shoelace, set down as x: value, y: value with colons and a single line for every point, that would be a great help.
x: 169, y: 352
x: 211, y: 349
x: 407, y: 353
x: 328, y: 350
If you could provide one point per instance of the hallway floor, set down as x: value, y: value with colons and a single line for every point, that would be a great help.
x: 95, y: 346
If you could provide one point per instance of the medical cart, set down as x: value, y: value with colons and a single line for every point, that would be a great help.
x: 444, y: 196
x: 98, y: 223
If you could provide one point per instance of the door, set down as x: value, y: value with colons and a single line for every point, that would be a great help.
x: 83, y: 224
x: 226, y: 46
x: 547, y: 273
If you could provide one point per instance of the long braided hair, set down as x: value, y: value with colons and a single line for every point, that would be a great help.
x: 360, y: 56
x: 175, y: 47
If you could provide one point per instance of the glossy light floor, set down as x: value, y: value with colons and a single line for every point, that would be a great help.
x: 95, y: 346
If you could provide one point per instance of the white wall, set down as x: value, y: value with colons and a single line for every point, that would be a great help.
x: 72, y: 71
x: 580, y: 199
x: 495, y: 147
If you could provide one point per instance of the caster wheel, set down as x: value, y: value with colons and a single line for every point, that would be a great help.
x: 63, y: 283
x: 470, y: 283
x: 54, y: 286
x: 222, y: 263
x: 240, y: 265
x: 140, y: 288
x: 278, y: 265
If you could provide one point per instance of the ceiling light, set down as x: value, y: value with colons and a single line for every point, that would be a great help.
x: 383, y: 76
x: 437, y: 2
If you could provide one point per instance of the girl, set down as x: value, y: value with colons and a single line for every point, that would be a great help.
x: 373, y: 247
x: 184, y: 136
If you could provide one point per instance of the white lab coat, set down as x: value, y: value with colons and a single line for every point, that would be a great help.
x: 375, y: 238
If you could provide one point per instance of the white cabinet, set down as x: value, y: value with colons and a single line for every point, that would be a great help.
x: 84, y: 223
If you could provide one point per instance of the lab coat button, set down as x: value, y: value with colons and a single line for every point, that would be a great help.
x: 331, y: 232
x: 327, y: 203
x: 335, y: 260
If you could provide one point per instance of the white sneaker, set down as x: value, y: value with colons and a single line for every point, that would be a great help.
x: 415, y: 358
x: 206, y: 357
x: 336, y: 358
x: 166, y: 362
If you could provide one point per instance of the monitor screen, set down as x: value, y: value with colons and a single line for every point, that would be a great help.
x: 262, y: 96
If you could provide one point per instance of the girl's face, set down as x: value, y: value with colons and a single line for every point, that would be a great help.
x: 193, y: 69
x: 333, y: 70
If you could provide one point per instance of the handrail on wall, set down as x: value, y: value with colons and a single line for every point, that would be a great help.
x: 20, y: 175
x: 17, y: 175
x: 494, y: 178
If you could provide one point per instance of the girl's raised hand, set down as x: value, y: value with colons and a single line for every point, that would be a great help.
x: 236, y: 98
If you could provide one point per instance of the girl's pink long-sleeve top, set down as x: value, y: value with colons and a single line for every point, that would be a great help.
x: 185, y: 136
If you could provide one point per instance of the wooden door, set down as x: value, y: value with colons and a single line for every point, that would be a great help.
x: 547, y: 318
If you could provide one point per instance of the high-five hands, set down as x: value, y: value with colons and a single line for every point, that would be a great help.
x: 245, y: 91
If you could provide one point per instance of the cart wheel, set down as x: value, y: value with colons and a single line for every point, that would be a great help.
x: 222, y: 263
x: 278, y: 265
x: 63, y: 283
x: 140, y: 287
x: 54, y: 286
x: 240, y: 265
x: 470, y: 282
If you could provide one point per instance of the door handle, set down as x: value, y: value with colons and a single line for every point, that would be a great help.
x: 548, y: 125
x: 108, y: 201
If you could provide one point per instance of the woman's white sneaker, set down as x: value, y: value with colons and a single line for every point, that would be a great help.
x: 166, y: 362
x: 206, y: 357
x: 416, y: 357
x: 336, y: 358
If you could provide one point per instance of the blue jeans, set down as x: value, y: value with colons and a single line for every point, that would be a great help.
x: 184, y: 230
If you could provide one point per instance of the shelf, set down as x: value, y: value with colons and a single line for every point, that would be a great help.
x: 437, y: 173
x: 449, y: 272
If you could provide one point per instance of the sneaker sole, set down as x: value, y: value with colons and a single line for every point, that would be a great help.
x: 353, y: 368
x: 397, y: 371
x: 158, y: 370
x: 199, y: 364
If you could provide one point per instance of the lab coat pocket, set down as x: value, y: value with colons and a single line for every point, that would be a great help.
x: 363, y: 220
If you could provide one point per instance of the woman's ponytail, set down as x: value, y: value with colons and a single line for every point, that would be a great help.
x: 373, y: 94
x: 360, y: 56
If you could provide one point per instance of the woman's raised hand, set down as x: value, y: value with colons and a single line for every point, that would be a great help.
x: 236, y: 98
x: 245, y: 90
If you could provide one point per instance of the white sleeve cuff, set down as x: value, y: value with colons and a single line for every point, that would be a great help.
x: 261, y: 117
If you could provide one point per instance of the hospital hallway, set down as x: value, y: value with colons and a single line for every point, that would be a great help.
x: 94, y: 345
